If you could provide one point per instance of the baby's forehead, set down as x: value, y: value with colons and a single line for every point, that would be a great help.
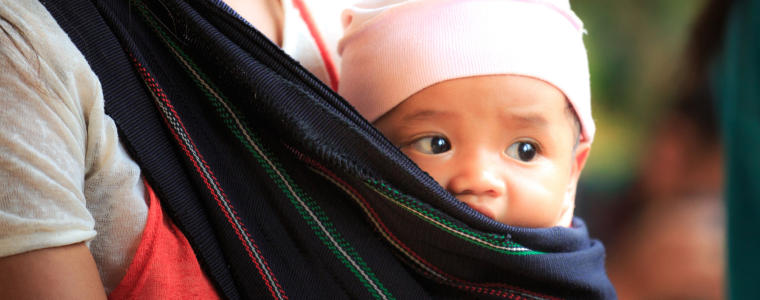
x: 541, y: 39
x: 514, y: 101
x: 493, y: 90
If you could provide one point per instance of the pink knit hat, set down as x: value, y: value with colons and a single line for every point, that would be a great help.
x: 392, y: 49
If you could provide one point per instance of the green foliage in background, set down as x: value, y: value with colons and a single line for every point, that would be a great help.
x: 635, y: 52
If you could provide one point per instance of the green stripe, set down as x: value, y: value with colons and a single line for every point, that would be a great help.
x: 324, y: 220
x: 405, y: 201
x: 321, y: 216
x: 490, y: 241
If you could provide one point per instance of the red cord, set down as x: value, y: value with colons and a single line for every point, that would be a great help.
x: 326, y: 58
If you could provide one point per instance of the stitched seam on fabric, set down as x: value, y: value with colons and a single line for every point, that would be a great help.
x: 317, y: 220
x: 287, y: 183
x: 432, y: 271
x: 349, y: 256
x: 185, y: 142
x: 475, y: 238
x: 206, y: 173
x: 508, y: 293
x: 377, y: 222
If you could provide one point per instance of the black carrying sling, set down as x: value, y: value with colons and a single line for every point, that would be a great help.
x: 283, y: 190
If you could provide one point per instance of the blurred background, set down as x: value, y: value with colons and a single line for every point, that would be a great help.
x: 636, y: 58
x: 652, y: 187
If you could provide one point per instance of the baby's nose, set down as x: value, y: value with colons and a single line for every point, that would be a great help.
x: 478, y: 177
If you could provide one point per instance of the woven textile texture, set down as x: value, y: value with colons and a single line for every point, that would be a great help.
x: 282, y: 188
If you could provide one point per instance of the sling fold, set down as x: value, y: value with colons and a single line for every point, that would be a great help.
x: 282, y: 188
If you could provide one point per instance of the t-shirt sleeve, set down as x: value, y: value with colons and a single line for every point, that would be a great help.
x: 43, y: 136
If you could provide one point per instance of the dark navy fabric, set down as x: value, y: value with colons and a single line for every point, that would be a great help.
x: 282, y: 188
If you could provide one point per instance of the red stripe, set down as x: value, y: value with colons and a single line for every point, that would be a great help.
x: 323, y: 51
x: 159, y: 92
x: 472, y: 286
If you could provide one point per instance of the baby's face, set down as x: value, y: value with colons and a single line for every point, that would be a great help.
x: 503, y: 145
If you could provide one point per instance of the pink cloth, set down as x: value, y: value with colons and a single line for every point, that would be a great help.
x: 392, y: 49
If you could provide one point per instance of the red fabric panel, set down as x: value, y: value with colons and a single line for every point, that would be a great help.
x: 164, y: 266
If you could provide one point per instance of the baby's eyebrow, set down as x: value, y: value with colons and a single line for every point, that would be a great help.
x: 534, y: 120
x: 425, y: 115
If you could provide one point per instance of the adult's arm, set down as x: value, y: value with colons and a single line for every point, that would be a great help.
x: 47, y: 92
x: 66, y: 272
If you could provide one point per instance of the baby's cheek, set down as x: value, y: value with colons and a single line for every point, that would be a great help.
x: 434, y: 168
x: 534, y: 204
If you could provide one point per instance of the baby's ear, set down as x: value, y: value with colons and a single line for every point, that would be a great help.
x: 580, y: 155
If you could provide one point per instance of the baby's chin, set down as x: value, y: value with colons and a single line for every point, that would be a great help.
x: 484, y: 210
x: 494, y: 214
x: 534, y: 225
x: 557, y: 223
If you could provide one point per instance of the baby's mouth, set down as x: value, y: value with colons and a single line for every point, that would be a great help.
x: 478, y: 205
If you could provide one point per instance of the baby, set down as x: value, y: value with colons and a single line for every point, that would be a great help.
x: 490, y: 97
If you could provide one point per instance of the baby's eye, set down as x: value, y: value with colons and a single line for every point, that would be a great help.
x: 523, y: 151
x: 432, y: 145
